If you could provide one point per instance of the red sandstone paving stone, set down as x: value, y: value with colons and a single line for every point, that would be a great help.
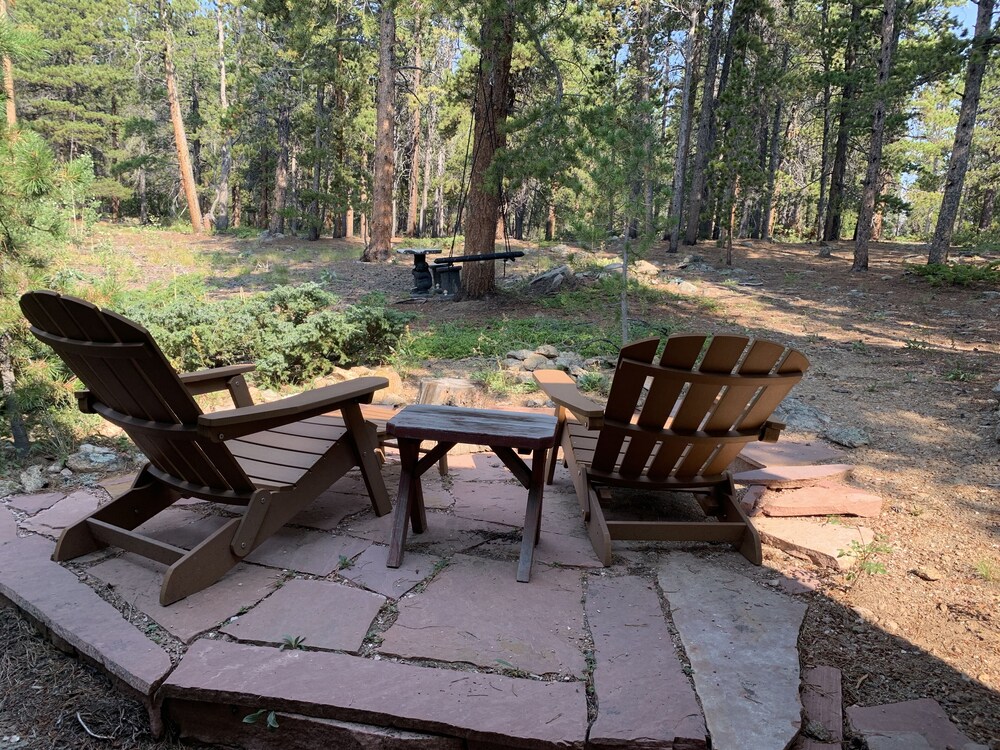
x: 825, y: 544
x: 8, y: 526
x: 74, y: 612
x: 324, y: 614
x: 515, y: 713
x: 369, y: 570
x: 574, y: 550
x: 750, y: 499
x: 116, y: 486
x: 505, y: 503
x: 222, y: 725
x: 643, y: 695
x: 31, y: 504
x: 923, y: 717
x: 67, y: 511
x: 797, y: 582
x: 789, y: 453
x: 824, y: 499
x: 477, y: 467
x: 138, y: 581
x: 329, y: 509
x: 181, y: 527
x: 445, y: 534
x: 307, y: 551
x: 741, y: 640
x: 475, y: 611
x: 822, y: 701
x: 794, y: 476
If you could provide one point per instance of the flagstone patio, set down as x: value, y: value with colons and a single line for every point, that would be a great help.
x: 314, y: 634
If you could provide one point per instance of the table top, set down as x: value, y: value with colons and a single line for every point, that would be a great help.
x: 454, y: 424
x: 419, y: 250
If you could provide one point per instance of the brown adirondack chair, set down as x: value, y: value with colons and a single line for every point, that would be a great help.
x: 698, y: 414
x: 272, y: 458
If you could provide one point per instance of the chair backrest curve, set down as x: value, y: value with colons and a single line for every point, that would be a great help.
x: 132, y: 384
x: 707, y: 397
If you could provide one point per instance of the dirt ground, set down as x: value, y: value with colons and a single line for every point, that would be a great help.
x: 913, y: 366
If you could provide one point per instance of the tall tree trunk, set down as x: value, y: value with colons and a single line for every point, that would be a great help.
x: 490, y: 110
x: 705, y: 117
x: 774, y: 158
x: 141, y: 186
x: 221, y: 208
x: 177, y: 120
x: 835, y: 208
x: 8, y: 76
x: 412, y: 227
x: 380, y: 246
x: 438, y: 228
x: 958, y: 164
x: 988, y: 207
x: 868, y: 197
x: 640, y: 99
x: 677, y: 196
x: 18, y: 430
x: 284, y: 126
x: 826, y: 53
x: 426, y: 182
x: 550, y: 220
x: 315, y: 220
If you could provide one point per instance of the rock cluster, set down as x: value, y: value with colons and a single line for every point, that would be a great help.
x: 548, y: 357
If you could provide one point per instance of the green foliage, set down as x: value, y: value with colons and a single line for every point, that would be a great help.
x: 292, y: 643
x: 271, y: 718
x: 503, y: 382
x: 958, y: 274
x: 459, y: 340
x: 866, y: 556
x: 291, y: 333
x: 594, y: 382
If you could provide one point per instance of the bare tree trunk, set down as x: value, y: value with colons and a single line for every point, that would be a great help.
x: 438, y: 228
x: 835, y: 208
x: 677, y: 197
x: 705, y: 117
x: 177, y: 120
x: 868, y: 197
x: 8, y: 78
x: 18, y: 430
x: 221, y: 208
x: 277, y: 222
x: 141, y: 187
x: 958, y: 164
x: 315, y: 220
x: 425, y: 187
x: 774, y: 158
x: 824, y: 159
x: 412, y: 228
x: 491, y: 106
x: 988, y: 207
x: 380, y: 246
x: 640, y: 100
x: 550, y: 221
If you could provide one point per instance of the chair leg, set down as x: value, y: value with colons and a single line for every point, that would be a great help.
x: 202, y: 566
x: 553, y: 456
x: 597, y: 530
x: 749, y: 545
x: 135, y: 506
x: 366, y: 443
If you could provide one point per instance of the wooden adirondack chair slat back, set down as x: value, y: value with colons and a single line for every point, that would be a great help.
x: 133, y: 385
x: 700, y: 409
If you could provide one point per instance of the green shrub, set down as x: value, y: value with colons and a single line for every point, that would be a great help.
x: 958, y: 274
x: 291, y: 333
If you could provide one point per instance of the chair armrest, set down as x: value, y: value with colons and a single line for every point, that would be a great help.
x: 770, y: 431
x: 225, y: 425
x: 220, y: 378
x: 561, y: 389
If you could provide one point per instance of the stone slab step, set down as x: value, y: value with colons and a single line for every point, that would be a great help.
x: 71, y: 610
x: 741, y: 640
x: 825, y: 544
x: 8, y: 526
x: 516, y: 713
x: 214, y: 724
x: 824, y: 499
x: 789, y: 453
x: 31, y: 504
x: 794, y: 476
x: 643, y: 696
x: 914, y: 722
x: 822, y: 709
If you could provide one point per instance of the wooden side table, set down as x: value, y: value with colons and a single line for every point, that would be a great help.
x: 502, y: 431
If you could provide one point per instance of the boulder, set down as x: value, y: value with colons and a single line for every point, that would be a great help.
x: 547, y: 350
x: 550, y: 281
x: 519, y: 354
x: 679, y: 286
x: 33, y: 479
x: 644, y: 268
x: 93, y: 458
x: 849, y: 437
x: 534, y: 362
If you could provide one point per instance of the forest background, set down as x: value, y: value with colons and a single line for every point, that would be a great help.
x: 448, y: 122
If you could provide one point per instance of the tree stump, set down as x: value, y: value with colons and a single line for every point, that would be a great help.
x: 451, y: 392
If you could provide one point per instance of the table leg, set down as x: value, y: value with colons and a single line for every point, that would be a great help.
x: 532, y: 516
x: 409, y: 489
